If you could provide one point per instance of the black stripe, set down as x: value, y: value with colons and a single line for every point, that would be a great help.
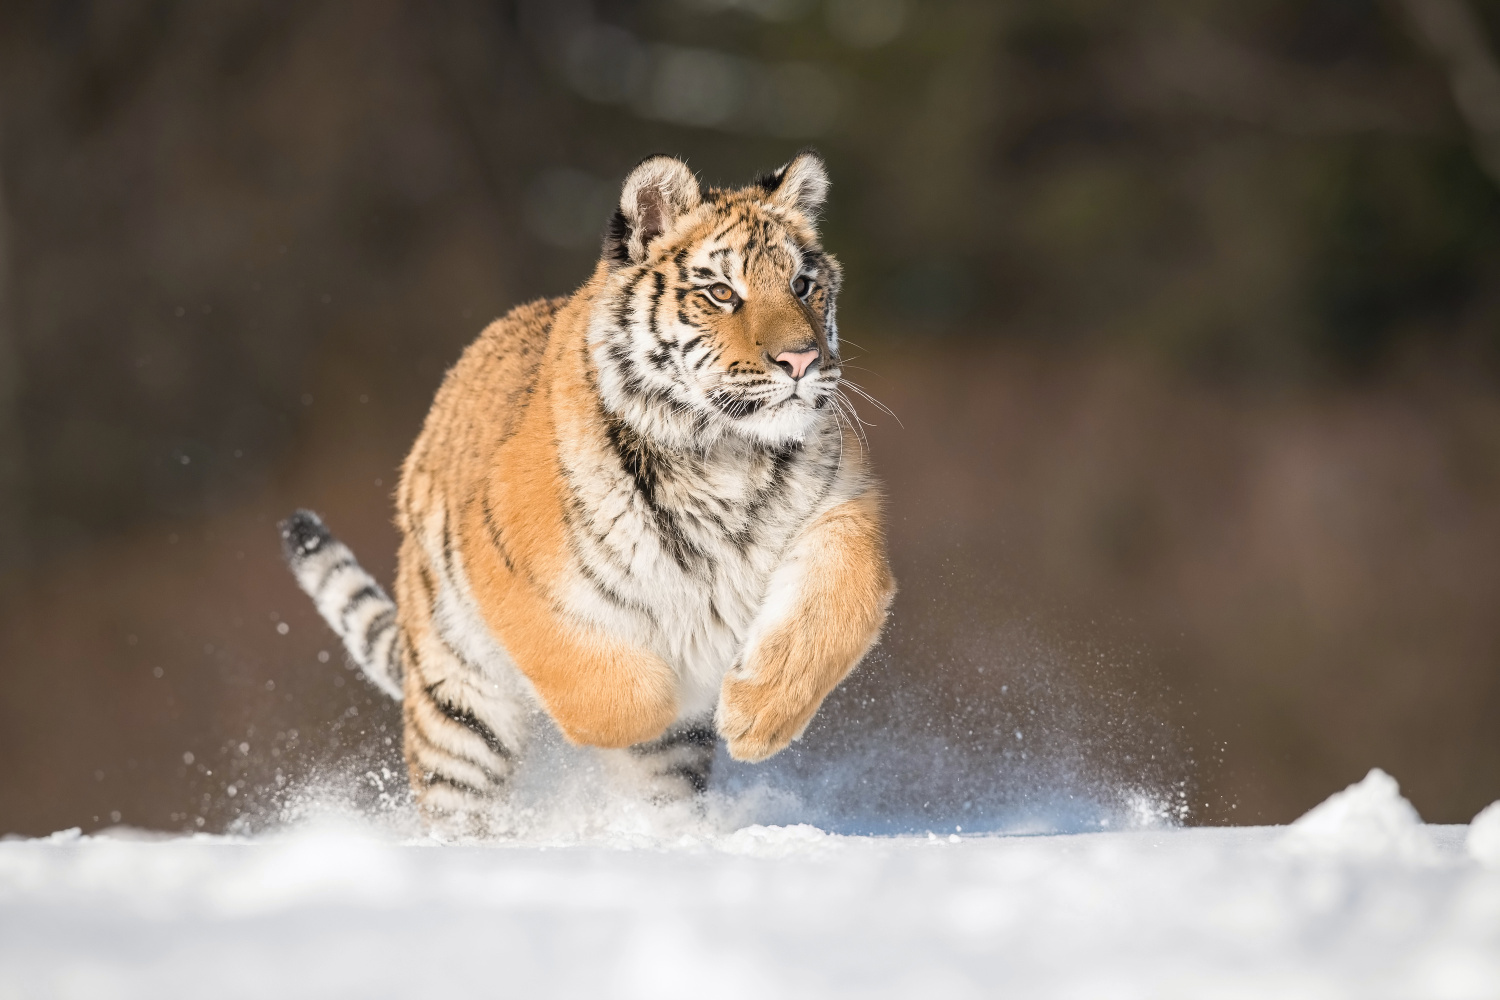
x: 697, y: 777
x: 494, y: 530
x: 701, y: 737
x: 646, y: 466
x: 612, y: 595
x: 378, y: 626
x: 627, y: 299
x: 369, y: 592
x: 735, y: 407
x: 408, y: 654
x: 658, y: 289
x: 467, y: 719
x: 343, y: 562
x: 617, y: 239
x: 447, y: 566
x: 426, y: 741
x: 427, y: 583
x: 431, y: 778
x: 393, y: 665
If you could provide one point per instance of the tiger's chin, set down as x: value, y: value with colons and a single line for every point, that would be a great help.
x: 780, y: 425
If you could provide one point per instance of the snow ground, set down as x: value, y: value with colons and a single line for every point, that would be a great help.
x: 1357, y: 899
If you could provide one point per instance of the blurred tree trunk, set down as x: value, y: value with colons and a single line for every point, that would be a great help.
x: 1453, y: 32
x: 12, y: 446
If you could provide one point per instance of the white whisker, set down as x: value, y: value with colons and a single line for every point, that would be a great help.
x: 875, y: 402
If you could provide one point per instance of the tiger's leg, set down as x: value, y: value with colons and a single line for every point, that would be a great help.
x: 673, y: 767
x: 823, y: 611
x: 464, y: 727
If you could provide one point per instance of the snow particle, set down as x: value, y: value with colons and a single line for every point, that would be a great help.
x: 188, y: 757
x: 283, y: 628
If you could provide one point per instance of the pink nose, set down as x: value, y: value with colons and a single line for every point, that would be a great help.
x: 797, y: 363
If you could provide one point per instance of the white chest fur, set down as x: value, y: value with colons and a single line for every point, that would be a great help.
x: 677, y: 556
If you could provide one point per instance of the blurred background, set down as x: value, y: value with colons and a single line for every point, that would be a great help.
x: 1190, y: 314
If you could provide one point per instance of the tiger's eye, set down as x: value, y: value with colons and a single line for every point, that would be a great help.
x: 801, y: 285
x: 721, y: 292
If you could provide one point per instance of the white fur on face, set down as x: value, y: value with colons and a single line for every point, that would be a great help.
x: 669, y: 378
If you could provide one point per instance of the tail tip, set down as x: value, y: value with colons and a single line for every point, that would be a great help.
x: 303, y: 534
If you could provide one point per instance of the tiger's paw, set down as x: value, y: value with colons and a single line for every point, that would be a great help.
x: 759, y: 720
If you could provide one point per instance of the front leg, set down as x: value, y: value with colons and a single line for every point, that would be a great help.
x: 823, y: 611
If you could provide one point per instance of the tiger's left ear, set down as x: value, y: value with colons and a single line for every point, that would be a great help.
x: 659, y: 191
x: 801, y: 184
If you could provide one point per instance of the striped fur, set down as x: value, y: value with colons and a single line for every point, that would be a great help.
x: 349, y: 599
x: 627, y: 510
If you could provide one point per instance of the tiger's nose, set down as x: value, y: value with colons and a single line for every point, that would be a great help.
x: 796, y: 363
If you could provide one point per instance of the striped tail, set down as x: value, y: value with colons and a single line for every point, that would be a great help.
x: 347, y: 597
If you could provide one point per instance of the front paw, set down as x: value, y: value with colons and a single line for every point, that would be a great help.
x: 758, y: 720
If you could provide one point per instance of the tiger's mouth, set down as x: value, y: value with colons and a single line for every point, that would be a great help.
x: 742, y: 407
x: 737, y: 407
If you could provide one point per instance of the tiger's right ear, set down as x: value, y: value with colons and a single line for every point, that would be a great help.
x: 659, y: 191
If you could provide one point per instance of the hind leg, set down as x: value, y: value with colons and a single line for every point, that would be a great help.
x: 465, y: 726
x: 671, y: 768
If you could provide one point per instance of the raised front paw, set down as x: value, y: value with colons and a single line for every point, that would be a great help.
x: 758, y: 719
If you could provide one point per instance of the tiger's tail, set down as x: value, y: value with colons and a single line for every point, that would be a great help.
x: 347, y: 597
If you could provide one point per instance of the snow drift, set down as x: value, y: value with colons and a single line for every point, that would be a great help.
x: 1357, y: 899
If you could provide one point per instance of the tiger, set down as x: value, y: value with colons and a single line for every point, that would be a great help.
x: 645, y: 510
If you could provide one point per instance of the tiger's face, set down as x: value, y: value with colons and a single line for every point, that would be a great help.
x: 718, y: 316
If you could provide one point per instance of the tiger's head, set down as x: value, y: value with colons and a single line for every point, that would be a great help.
x: 717, y: 311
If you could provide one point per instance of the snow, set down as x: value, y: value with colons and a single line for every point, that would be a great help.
x: 1356, y: 899
x: 1483, y: 840
x: 1366, y: 820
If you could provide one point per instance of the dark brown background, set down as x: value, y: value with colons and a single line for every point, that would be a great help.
x: 1189, y: 315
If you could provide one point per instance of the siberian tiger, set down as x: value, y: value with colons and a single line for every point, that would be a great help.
x: 641, y: 508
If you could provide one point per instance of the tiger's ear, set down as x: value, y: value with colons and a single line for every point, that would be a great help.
x: 801, y: 184
x: 658, y: 192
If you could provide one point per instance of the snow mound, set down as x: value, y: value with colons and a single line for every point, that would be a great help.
x: 777, y: 841
x: 1483, y: 840
x: 1369, y: 820
x: 335, y: 909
